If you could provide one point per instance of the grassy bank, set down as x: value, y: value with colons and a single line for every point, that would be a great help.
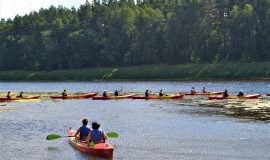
x: 224, y: 71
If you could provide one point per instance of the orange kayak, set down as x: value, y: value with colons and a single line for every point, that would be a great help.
x: 102, y: 150
x: 21, y: 98
x: 111, y: 97
x: 206, y: 94
x: 178, y: 96
x: 220, y: 97
x: 75, y: 97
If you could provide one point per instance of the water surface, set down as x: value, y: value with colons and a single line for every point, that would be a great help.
x: 150, y: 129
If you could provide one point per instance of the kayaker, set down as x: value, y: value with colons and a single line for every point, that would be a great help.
x: 161, y: 93
x: 84, y: 130
x: 20, y: 95
x: 116, y: 93
x: 193, y: 91
x: 64, y: 93
x: 8, y: 95
x: 240, y: 94
x: 204, y: 90
x: 225, y: 94
x: 96, y: 135
x: 104, y: 94
x: 147, y: 93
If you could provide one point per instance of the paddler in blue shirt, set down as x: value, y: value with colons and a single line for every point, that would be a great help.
x: 83, y: 130
x: 96, y: 135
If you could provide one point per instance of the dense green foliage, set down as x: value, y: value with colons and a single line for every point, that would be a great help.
x: 219, y: 71
x: 107, y: 33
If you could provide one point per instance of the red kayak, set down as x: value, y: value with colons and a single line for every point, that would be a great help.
x: 178, y: 96
x: 252, y: 96
x: 75, y: 97
x: 102, y: 150
x: 111, y: 97
x: 21, y: 98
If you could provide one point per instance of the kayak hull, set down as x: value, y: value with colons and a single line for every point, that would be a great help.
x: 204, y: 94
x: 111, y: 97
x: 253, y: 96
x: 103, y: 150
x: 22, y: 98
x: 180, y: 96
x: 75, y: 97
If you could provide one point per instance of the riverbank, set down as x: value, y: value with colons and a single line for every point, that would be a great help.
x: 194, y: 72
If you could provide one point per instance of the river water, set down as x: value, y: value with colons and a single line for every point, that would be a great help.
x: 148, y: 129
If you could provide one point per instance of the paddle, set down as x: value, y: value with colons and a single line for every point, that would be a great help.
x: 112, y: 134
x: 56, y: 136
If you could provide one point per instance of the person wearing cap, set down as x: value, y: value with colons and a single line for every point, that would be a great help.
x: 104, y: 94
x: 83, y: 131
x: 96, y: 135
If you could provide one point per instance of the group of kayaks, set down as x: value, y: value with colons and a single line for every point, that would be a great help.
x: 219, y: 95
x: 105, y: 150
x: 134, y: 96
x: 94, y: 96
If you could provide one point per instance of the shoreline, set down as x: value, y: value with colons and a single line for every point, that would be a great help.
x: 220, y: 72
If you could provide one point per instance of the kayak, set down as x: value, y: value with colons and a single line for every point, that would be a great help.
x: 102, y: 150
x: 75, y: 97
x: 111, y: 97
x: 178, y: 96
x: 220, y: 97
x: 206, y: 94
x: 21, y: 98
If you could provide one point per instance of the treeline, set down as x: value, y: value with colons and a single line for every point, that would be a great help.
x: 126, y: 33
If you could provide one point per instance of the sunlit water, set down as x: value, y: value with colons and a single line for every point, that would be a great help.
x: 150, y: 129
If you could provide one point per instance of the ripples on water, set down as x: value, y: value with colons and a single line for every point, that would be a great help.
x: 148, y: 129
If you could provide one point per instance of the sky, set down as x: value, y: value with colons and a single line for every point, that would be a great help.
x: 10, y: 8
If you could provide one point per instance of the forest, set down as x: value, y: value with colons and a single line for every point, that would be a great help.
x: 123, y: 33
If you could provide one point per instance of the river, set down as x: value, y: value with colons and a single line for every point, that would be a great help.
x: 148, y: 129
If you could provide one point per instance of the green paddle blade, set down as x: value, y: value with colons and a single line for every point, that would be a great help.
x: 53, y: 137
x: 92, y: 144
x: 112, y: 135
